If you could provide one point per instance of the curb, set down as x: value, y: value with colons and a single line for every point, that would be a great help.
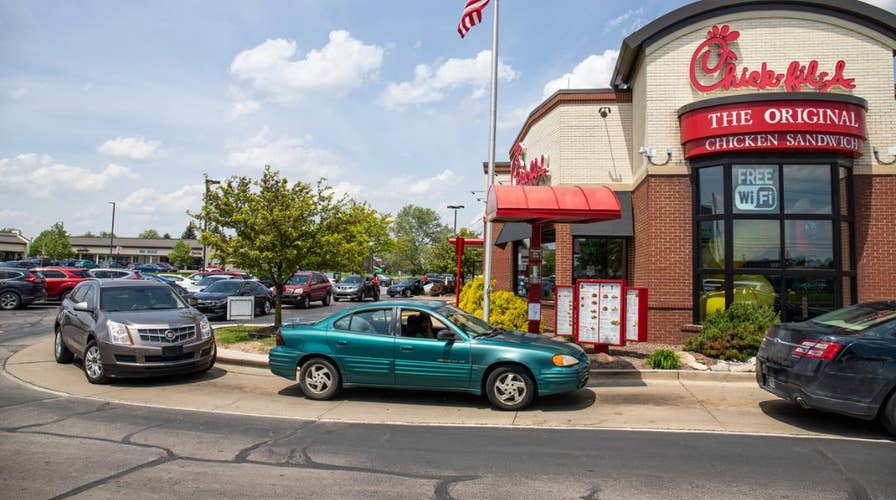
x: 239, y: 358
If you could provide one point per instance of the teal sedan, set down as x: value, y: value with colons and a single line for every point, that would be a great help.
x: 426, y: 345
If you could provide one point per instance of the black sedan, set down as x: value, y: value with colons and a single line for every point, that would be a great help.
x: 841, y: 362
x: 405, y: 288
x: 212, y: 301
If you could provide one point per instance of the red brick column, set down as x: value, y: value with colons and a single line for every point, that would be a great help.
x: 563, y: 266
x: 502, y: 262
x: 875, y: 236
x: 661, y: 207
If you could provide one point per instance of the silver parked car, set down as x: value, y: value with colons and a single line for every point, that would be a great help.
x: 128, y: 328
x: 113, y: 274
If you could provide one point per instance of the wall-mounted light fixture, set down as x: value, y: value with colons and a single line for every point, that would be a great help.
x: 650, y: 154
x: 891, y: 152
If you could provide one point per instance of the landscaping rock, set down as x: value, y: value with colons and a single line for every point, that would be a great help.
x: 721, y: 366
x: 743, y: 367
x: 686, y: 358
x: 698, y: 366
x: 603, y: 357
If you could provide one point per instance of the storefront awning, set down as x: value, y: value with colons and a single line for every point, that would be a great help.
x: 545, y: 204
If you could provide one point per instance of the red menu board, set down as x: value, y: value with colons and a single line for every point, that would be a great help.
x: 600, y: 312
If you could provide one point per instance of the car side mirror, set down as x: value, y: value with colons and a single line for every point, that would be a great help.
x: 82, y: 306
x: 447, y: 335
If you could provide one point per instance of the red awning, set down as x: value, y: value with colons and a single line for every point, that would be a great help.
x: 565, y: 204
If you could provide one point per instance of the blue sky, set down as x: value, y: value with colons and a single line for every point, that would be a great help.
x: 131, y: 102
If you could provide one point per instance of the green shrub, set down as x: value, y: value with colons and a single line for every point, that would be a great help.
x: 733, y: 334
x: 664, y: 359
x: 507, y: 310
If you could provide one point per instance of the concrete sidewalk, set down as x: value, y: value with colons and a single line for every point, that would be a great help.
x: 735, y: 405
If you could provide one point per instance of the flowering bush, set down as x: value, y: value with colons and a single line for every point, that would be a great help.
x: 507, y: 310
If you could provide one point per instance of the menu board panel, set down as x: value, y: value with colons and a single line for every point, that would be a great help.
x: 636, y: 314
x: 600, y: 311
x: 563, y: 304
x: 587, y: 312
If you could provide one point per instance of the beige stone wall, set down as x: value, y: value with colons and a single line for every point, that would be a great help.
x: 775, y: 37
x: 544, y: 139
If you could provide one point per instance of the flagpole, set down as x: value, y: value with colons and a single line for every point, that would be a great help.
x: 493, y: 119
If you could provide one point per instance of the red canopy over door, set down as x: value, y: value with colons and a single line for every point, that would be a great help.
x: 540, y: 204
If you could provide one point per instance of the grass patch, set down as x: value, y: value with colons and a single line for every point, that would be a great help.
x: 664, y: 359
x: 228, y: 335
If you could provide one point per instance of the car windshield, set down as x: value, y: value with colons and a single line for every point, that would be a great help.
x: 139, y: 298
x: 351, y: 280
x: 859, y: 317
x: 224, y: 286
x: 298, y: 280
x: 406, y: 282
x: 471, y: 325
x: 208, y: 280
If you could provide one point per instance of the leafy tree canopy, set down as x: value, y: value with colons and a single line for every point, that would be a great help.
x: 442, y: 257
x: 415, y: 231
x: 107, y: 234
x: 52, y: 243
x: 149, y: 234
x: 272, y: 228
x: 189, y: 233
x: 180, y: 255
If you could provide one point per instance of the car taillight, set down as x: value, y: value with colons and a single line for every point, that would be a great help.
x: 31, y: 279
x: 816, y: 349
x: 137, y: 276
x: 279, y: 338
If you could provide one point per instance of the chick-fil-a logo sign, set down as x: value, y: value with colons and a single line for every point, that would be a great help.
x: 521, y: 175
x: 725, y: 74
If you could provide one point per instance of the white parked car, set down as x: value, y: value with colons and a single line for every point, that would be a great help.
x: 198, y: 286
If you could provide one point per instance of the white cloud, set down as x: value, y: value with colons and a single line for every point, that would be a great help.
x: 514, y: 118
x: 132, y: 148
x: 342, y: 63
x: 428, y: 83
x: 593, y: 72
x: 19, y: 92
x: 628, y: 22
x: 242, y: 105
x: 426, y: 186
x: 884, y: 4
x: 349, y: 189
x: 41, y: 176
x: 290, y: 155
x: 152, y: 201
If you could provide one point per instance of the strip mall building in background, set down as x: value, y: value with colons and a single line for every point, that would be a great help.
x: 751, y: 145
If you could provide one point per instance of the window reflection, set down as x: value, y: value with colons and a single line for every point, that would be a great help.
x: 808, y: 244
x: 712, y: 244
x: 807, y: 189
x: 712, y: 197
x: 757, y: 289
x: 757, y: 243
x: 712, y: 294
x: 598, y: 258
x: 808, y: 297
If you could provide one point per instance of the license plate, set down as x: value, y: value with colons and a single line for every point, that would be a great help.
x: 175, y: 350
x: 769, y: 382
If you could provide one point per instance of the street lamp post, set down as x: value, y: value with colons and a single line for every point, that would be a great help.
x: 208, y: 182
x: 455, y: 208
x: 112, y: 232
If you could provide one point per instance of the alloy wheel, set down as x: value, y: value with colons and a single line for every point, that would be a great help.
x: 57, y: 345
x: 510, y: 388
x: 319, y: 379
x: 92, y: 363
x: 9, y: 301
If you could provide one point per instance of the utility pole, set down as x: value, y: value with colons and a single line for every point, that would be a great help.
x: 208, y: 182
x: 455, y: 208
x: 112, y: 233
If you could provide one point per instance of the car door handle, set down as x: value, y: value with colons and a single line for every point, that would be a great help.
x: 407, y: 348
x: 341, y: 342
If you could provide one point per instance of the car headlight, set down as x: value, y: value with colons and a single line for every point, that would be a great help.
x: 297, y: 291
x: 564, y: 360
x: 118, y: 333
x: 205, y: 328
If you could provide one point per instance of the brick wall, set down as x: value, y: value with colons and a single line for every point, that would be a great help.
x: 502, y: 263
x: 563, y: 269
x: 875, y: 235
x: 662, y: 253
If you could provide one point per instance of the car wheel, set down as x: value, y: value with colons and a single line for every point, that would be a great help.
x: 266, y: 307
x: 888, y: 415
x: 320, y: 380
x: 64, y: 295
x: 305, y: 302
x: 407, y: 292
x: 335, y: 299
x: 510, y: 388
x: 326, y: 300
x: 62, y: 354
x: 10, y: 300
x: 93, y: 364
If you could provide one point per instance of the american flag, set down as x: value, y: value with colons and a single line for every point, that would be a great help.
x: 471, y: 16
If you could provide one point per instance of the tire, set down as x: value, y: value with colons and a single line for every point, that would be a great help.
x: 325, y: 381
x: 93, y: 364
x: 64, y: 295
x: 266, y: 308
x: 510, y: 388
x: 407, y: 292
x: 305, y: 302
x: 60, y: 351
x: 335, y: 299
x: 888, y: 415
x: 326, y: 300
x: 10, y: 300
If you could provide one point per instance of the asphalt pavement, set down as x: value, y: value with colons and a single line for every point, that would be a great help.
x: 58, y: 446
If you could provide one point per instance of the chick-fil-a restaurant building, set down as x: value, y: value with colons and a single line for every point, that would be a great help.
x: 752, y: 148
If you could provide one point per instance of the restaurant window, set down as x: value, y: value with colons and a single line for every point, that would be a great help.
x: 598, y: 257
x: 768, y: 233
x: 547, y: 273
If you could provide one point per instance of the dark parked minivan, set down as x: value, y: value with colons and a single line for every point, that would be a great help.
x: 20, y: 287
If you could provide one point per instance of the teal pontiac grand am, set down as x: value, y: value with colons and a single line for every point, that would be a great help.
x: 426, y: 345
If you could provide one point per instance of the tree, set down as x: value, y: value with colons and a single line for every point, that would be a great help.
x: 180, y: 255
x: 189, y: 233
x: 52, y: 243
x: 88, y: 234
x: 107, y: 234
x: 166, y: 236
x: 415, y: 230
x: 149, y: 234
x: 272, y: 228
x: 362, y: 235
x: 7, y: 229
x: 443, y: 259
